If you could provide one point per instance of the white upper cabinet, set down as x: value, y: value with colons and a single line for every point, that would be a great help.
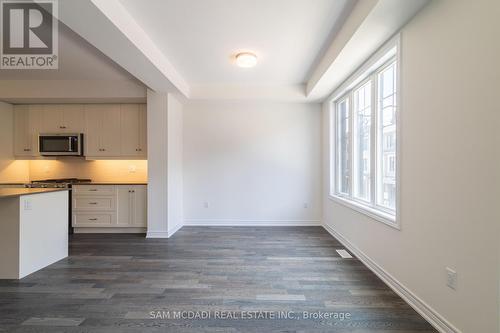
x: 133, y: 130
x: 103, y: 134
x: 52, y: 119
x: 26, y: 130
x: 63, y: 118
x: 114, y: 131
x: 110, y: 132
x: 73, y: 118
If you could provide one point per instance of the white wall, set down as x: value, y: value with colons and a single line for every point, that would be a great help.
x: 43, y: 230
x: 165, y: 209
x: 157, y: 108
x: 10, y: 169
x: 449, y: 216
x: 253, y: 163
x: 175, y: 172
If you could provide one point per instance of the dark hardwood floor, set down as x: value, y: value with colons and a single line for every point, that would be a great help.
x: 118, y: 283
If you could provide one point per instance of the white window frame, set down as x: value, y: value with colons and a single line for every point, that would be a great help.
x: 384, y: 57
x: 336, y: 175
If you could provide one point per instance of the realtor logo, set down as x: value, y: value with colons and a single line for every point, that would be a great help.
x: 29, y: 36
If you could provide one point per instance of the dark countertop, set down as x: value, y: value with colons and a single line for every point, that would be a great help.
x: 16, y: 192
x: 114, y: 183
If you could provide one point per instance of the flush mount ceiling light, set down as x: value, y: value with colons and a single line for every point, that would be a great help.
x: 246, y: 59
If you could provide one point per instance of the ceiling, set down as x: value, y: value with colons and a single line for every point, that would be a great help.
x: 200, y: 38
x: 78, y: 60
x: 187, y: 47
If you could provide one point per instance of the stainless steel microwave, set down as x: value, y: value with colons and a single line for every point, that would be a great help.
x: 63, y: 144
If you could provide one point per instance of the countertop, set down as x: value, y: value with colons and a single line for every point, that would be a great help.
x: 113, y: 183
x: 16, y: 192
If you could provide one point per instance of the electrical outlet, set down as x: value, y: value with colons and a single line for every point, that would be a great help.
x: 451, y: 278
x: 306, y: 205
x: 206, y: 204
x: 132, y: 168
x: 28, y: 205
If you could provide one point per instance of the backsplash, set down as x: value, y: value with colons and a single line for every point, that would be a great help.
x: 12, y: 171
x: 100, y: 170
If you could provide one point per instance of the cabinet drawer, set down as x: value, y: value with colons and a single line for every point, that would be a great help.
x: 94, y: 190
x: 93, y: 203
x: 93, y: 220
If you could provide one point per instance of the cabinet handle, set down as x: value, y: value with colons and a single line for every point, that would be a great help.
x: 93, y: 190
x: 62, y: 127
x: 94, y: 219
x: 27, y: 149
x: 92, y: 203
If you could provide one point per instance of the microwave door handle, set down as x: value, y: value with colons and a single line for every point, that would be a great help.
x: 70, y: 148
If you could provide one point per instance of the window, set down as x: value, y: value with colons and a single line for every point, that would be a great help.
x: 364, y: 121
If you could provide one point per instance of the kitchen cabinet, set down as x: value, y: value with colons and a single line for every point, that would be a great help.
x: 63, y: 118
x: 103, y: 130
x: 133, y: 130
x: 110, y: 206
x: 94, y: 203
x: 94, y: 190
x: 26, y: 130
x: 111, y: 131
x: 131, y: 205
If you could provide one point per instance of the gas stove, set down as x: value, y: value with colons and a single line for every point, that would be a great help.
x: 57, y: 183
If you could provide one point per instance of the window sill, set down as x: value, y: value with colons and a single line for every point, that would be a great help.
x: 375, y: 214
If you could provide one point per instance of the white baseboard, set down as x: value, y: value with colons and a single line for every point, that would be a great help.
x: 172, y: 231
x: 250, y: 223
x: 431, y: 315
x: 157, y: 234
x: 117, y: 230
x: 164, y: 234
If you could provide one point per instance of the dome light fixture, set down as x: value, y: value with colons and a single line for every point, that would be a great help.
x: 246, y: 60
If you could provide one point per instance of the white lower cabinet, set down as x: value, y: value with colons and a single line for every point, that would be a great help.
x: 109, y: 206
x: 131, y: 208
x: 100, y: 219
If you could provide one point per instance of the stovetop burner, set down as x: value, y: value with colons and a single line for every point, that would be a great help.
x: 57, y: 183
x: 63, y: 180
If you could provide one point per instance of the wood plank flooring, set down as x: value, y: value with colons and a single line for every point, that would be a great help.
x: 219, y: 279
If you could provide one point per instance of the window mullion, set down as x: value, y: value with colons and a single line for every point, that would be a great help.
x: 374, y: 140
x: 351, y: 144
